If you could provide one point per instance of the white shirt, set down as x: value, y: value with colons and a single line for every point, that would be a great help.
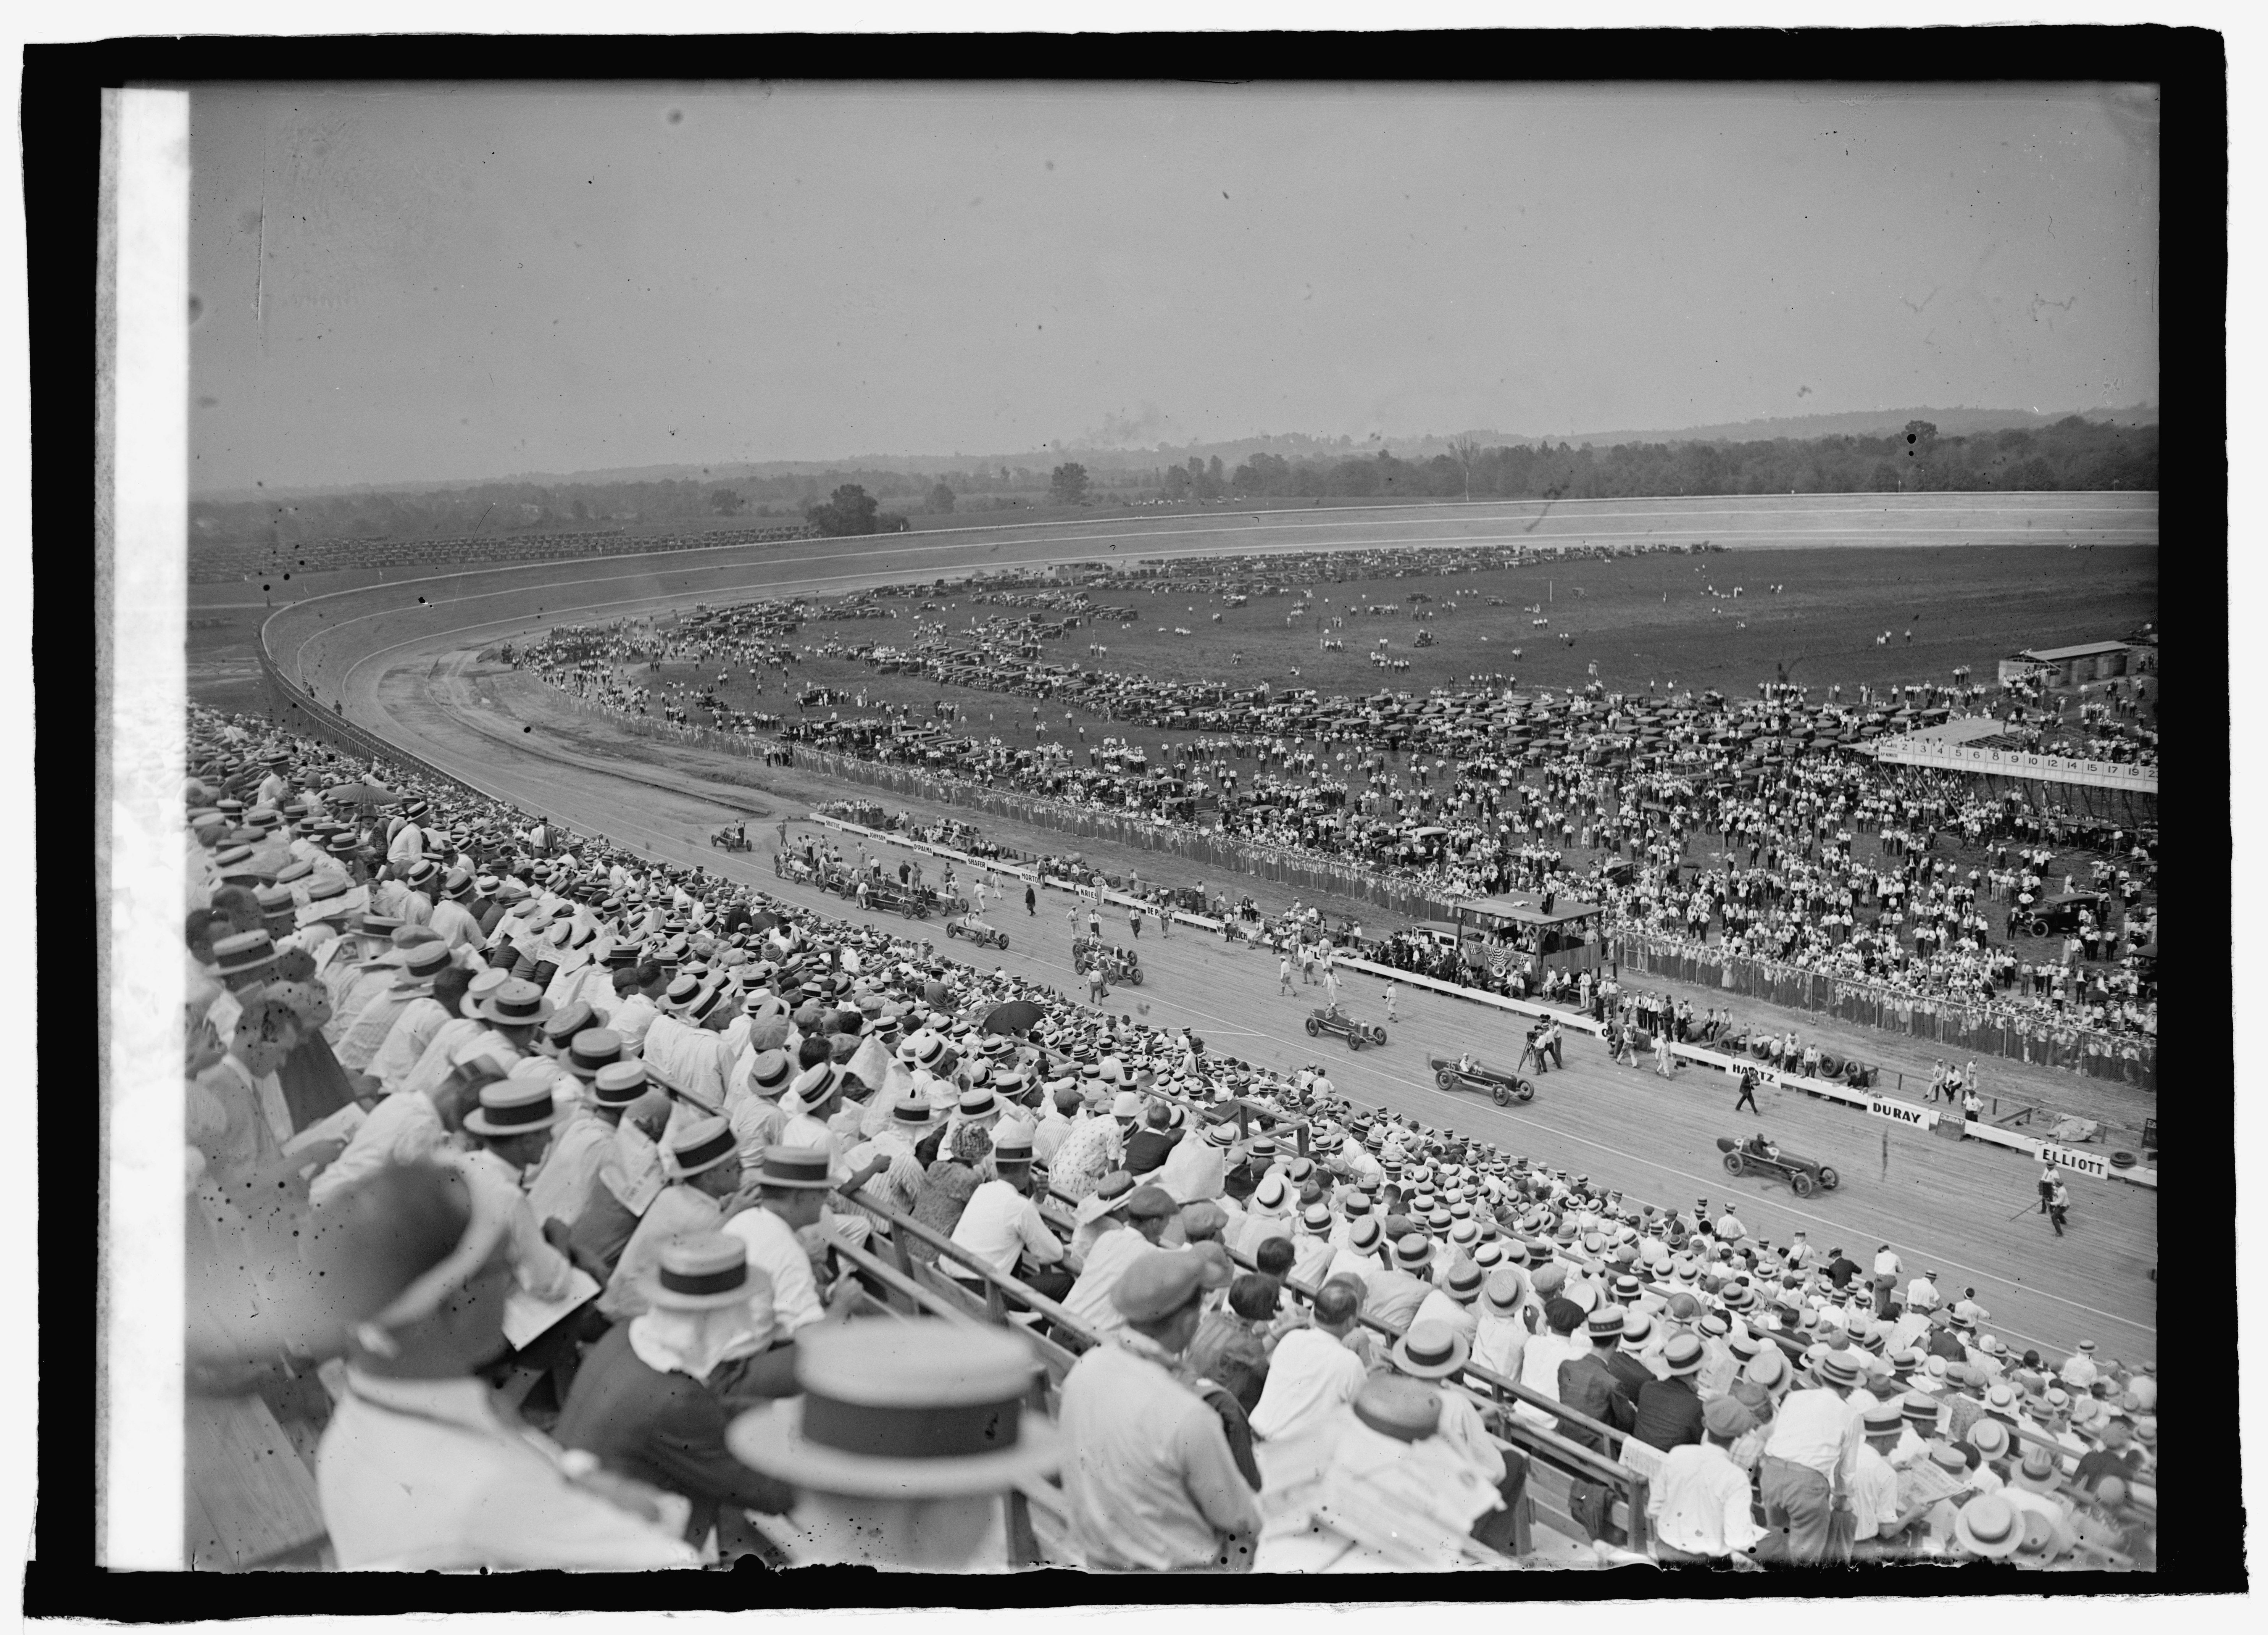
x: 404, y: 1046
x: 1089, y: 1298
x: 1818, y: 1429
x: 999, y: 1224
x: 1500, y: 1344
x: 1886, y: 1265
x: 680, y: 1212
x: 562, y: 1183
x: 1874, y: 1493
x: 454, y: 925
x: 543, y: 1271
x: 774, y: 1248
x: 401, y: 1129
x: 691, y: 1059
x: 1310, y: 1375
x: 1437, y: 1307
x: 421, y: 1475
x: 1701, y: 1503
x: 1539, y: 1372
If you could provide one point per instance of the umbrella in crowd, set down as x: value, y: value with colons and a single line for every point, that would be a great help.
x: 1015, y: 1017
x: 357, y: 795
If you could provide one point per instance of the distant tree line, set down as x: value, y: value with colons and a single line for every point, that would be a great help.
x: 2072, y: 453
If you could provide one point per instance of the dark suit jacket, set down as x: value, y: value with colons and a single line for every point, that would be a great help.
x: 1669, y: 1414
x: 667, y: 1429
x: 1148, y: 1150
x: 1635, y: 1375
x: 1587, y: 1386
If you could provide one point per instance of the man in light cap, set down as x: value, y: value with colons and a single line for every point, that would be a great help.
x: 1150, y: 1485
x: 1147, y: 1212
x: 1701, y: 1504
x: 419, y: 1469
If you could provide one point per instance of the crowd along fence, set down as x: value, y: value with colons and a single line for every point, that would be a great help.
x: 2123, y: 1059
x: 1960, y: 1029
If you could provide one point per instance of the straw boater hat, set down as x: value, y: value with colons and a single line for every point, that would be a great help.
x: 619, y: 1084
x: 422, y: 963
x: 516, y: 1004
x: 1430, y: 1350
x: 243, y: 954
x: 1989, y: 1524
x: 591, y: 1050
x: 706, y: 1271
x: 513, y: 1106
x: 801, y: 1167
x: 921, y: 1409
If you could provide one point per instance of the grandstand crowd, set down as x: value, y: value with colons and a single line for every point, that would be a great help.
x: 1756, y: 829
x: 603, y: 1214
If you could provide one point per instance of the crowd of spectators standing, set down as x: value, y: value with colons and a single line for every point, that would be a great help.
x: 561, y: 1165
x: 1758, y: 830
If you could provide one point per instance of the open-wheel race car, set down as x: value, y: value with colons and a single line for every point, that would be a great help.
x: 1500, y: 1082
x: 731, y: 837
x: 1122, y: 965
x: 977, y: 931
x: 1331, y: 1020
x: 1753, y: 1155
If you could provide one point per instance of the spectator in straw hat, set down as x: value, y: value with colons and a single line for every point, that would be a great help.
x: 1667, y: 1412
x: 700, y: 1164
x: 1435, y: 1352
x: 1149, y: 1482
x: 902, y: 1444
x: 511, y: 1128
x: 1001, y: 1225
x: 419, y: 1469
x: 417, y: 966
x: 1147, y: 1210
x: 786, y: 1240
x: 1589, y: 1386
x: 562, y: 1186
x: 654, y: 1397
x: 413, y: 1124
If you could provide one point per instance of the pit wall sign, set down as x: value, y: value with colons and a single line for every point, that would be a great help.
x: 2085, y: 1163
x: 1900, y: 1112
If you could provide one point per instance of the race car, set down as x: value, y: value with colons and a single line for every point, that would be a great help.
x: 977, y: 932
x: 1500, y: 1082
x: 1754, y: 1155
x: 731, y: 837
x: 1119, y: 964
x: 1330, y: 1020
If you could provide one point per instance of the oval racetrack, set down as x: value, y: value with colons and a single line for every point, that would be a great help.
x: 1964, y: 1210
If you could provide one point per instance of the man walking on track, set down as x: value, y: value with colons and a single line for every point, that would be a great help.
x: 2047, y: 1185
x: 1283, y: 971
x: 2058, y: 1206
x: 1747, y: 1094
x: 1393, y: 991
x: 1031, y: 901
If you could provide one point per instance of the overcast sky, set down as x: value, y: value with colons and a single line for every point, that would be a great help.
x: 434, y: 284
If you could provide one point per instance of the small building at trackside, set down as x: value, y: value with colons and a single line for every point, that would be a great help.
x: 2075, y: 666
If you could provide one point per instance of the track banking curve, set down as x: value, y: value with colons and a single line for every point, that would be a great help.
x: 1942, y: 1205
